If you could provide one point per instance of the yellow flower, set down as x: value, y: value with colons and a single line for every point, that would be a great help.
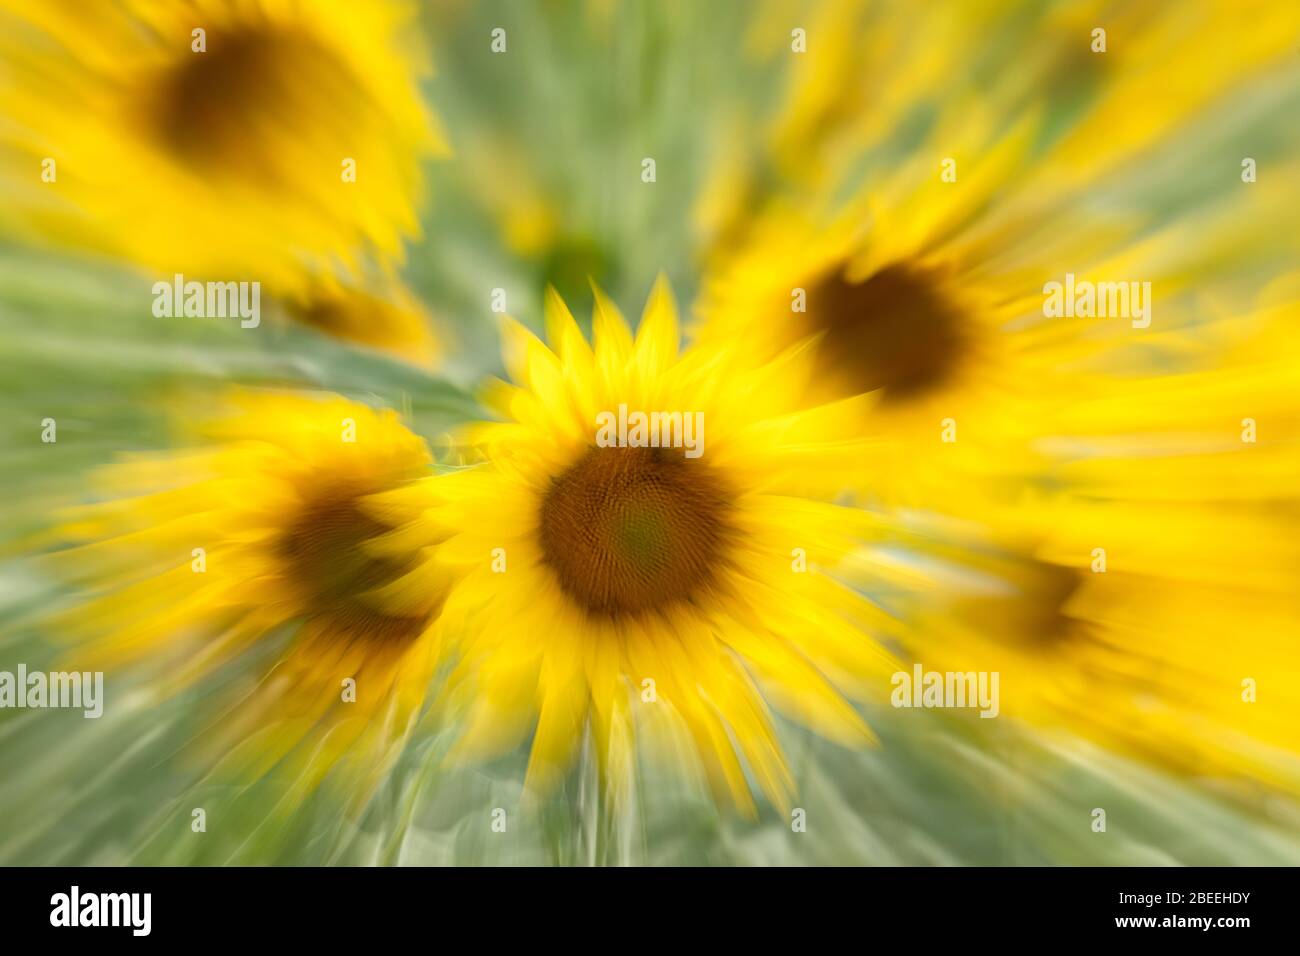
x: 216, y: 139
x: 614, y: 586
x: 390, y: 319
x: 930, y: 294
x: 1146, y: 598
x: 281, y: 517
x: 948, y: 386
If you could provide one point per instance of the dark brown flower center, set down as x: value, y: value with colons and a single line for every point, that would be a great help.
x: 896, y: 330
x: 230, y: 109
x: 323, y: 552
x: 630, y: 531
x: 1037, y: 612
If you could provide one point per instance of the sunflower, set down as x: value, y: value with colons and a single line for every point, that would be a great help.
x: 276, y: 531
x: 386, y: 317
x: 925, y: 288
x: 265, y: 140
x: 606, y: 585
x: 1145, y: 599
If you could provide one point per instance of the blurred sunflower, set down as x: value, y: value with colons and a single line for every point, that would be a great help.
x: 911, y: 333
x: 925, y: 288
x: 387, y: 317
x: 269, y: 140
x: 278, y: 521
x: 1145, y: 599
x: 598, y: 576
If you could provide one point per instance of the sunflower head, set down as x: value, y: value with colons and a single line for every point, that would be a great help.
x: 627, y: 531
x: 612, y: 582
x: 268, y: 141
x: 288, y: 526
x: 897, y: 331
x: 389, y: 318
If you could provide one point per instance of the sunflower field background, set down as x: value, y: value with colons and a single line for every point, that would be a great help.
x: 831, y: 226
